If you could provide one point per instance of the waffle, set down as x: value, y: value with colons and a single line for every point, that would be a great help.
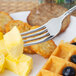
x: 55, y: 66
x: 59, y: 59
x: 65, y: 51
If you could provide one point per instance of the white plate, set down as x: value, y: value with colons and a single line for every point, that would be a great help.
x: 39, y: 61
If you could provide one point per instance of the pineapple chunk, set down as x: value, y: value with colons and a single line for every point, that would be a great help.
x: 25, y: 65
x: 1, y: 35
x: 2, y: 48
x: 21, y: 65
x: 2, y: 62
x: 13, y: 42
x: 11, y: 64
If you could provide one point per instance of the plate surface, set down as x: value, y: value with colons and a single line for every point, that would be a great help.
x: 39, y: 61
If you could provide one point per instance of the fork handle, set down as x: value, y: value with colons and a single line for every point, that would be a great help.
x: 69, y: 12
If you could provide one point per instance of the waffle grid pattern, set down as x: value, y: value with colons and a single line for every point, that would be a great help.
x: 59, y: 59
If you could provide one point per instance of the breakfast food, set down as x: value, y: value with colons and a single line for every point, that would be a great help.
x: 74, y: 40
x: 19, y: 24
x: 73, y: 59
x: 2, y: 48
x: 23, y: 27
x: 4, y: 19
x: 1, y: 35
x: 13, y: 42
x: 2, y: 62
x: 44, y: 72
x: 1, y: 30
x: 21, y: 65
x: 56, y: 65
x: 62, y: 51
x: 45, y: 49
x: 11, y: 54
x: 44, y: 12
x: 62, y: 59
x: 71, y: 72
x: 28, y: 50
x: 25, y: 65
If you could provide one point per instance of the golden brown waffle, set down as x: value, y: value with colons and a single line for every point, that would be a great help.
x: 65, y: 51
x: 45, y: 72
x: 55, y: 66
x: 59, y: 59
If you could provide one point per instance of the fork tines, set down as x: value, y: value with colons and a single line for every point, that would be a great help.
x: 35, y: 36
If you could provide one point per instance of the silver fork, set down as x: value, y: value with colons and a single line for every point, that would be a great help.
x: 50, y: 28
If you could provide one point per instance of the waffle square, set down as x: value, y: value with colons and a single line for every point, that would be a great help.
x: 65, y: 50
x: 44, y: 72
x: 55, y: 66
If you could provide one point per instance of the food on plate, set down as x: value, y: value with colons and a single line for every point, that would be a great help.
x: 61, y: 60
x: 44, y: 72
x: 73, y: 59
x: 21, y: 65
x: 19, y: 24
x: 2, y: 48
x: 70, y: 73
x: 1, y: 35
x: 56, y: 65
x: 1, y: 30
x: 25, y: 65
x: 11, y: 54
x: 29, y: 50
x: 11, y: 64
x: 74, y: 41
x: 13, y: 42
x: 45, y: 49
x: 44, y: 12
x: 65, y: 51
x: 23, y: 27
x: 2, y: 62
x: 4, y: 19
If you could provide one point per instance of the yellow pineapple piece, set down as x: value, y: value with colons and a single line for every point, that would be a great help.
x: 2, y: 48
x: 25, y: 65
x: 2, y: 62
x: 11, y: 64
x: 13, y: 42
x: 21, y: 65
x: 1, y: 35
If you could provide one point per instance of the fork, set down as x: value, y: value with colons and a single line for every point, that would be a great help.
x: 45, y: 32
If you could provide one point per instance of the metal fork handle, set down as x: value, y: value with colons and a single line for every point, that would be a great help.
x: 68, y: 12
